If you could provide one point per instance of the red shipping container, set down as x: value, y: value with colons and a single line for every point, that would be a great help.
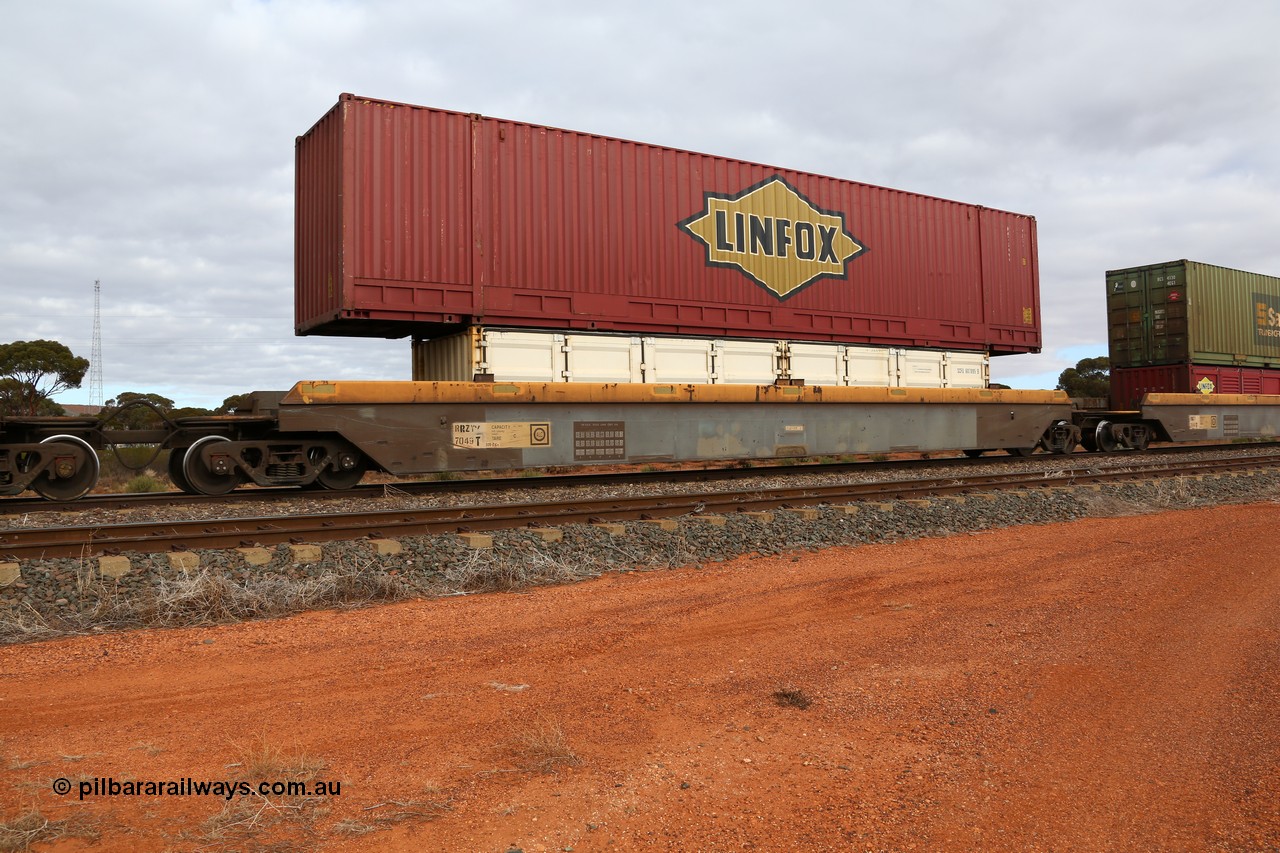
x: 412, y: 220
x: 1129, y: 384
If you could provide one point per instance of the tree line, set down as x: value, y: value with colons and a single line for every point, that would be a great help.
x: 33, y: 372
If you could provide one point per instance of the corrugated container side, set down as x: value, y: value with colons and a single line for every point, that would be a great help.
x: 1228, y: 316
x: 409, y: 209
x: 449, y: 358
x: 1011, y: 280
x: 1186, y: 312
x: 1128, y: 385
x: 318, y: 240
x: 448, y: 219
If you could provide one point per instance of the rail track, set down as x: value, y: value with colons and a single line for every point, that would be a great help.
x: 153, y: 536
x: 25, y: 505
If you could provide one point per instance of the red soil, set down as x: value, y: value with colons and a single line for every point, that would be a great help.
x: 1108, y: 684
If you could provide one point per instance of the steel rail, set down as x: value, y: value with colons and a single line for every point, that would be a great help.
x: 34, y: 543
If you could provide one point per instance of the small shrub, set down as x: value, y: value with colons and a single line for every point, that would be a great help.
x: 121, y: 464
x: 790, y: 697
x: 145, y: 482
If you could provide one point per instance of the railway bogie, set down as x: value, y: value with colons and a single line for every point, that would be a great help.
x: 215, y: 464
x: 55, y: 457
x: 1062, y: 436
x: 1105, y: 434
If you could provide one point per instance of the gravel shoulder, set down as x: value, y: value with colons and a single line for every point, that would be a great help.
x: 1096, y: 683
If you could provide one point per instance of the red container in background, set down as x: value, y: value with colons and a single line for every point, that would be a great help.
x: 417, y: 221
x: 1129, y: 384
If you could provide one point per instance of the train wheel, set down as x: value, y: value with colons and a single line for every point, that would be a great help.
x: 71, y: 482
x: 1019, y: 451
x: 344, y: 477
x: 1104, y: 439
x: 973, y: 453
x: 199, y: 476
x: 176, y: 475
x: 340, y: 480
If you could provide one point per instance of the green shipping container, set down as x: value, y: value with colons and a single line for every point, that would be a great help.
x: 1184, y: 312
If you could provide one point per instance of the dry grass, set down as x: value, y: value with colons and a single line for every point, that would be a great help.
x: 204, y: 598
x: 267, y: 761
x: 288, y: 819
x: 347, y: 826
x: 542, y: 747
x: 435, y: 804
x: 480, y: 571
x: 31, y: 827
x: 25, y: 624
x: 211, y: 597
x: 1172, y: 493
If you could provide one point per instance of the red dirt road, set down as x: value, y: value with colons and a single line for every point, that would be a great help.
x: 1108, y: 684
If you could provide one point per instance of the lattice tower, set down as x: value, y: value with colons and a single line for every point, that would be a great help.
x: 95, y: 355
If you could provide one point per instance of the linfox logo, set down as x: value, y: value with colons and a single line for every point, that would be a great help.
x: 775, y: 236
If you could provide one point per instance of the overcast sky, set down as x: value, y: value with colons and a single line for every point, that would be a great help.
x: 150, y: 144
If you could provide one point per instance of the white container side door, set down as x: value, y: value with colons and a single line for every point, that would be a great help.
x: 966, y: 370
x: 747, y: 362
x: 523, y: 356
x: 602, y: 358
x: 919, y: 368
x: 871, y: 366
x: 677, y: 360
x: 817, y: 364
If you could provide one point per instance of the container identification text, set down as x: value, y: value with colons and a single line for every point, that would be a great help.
x: 496, y: 436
